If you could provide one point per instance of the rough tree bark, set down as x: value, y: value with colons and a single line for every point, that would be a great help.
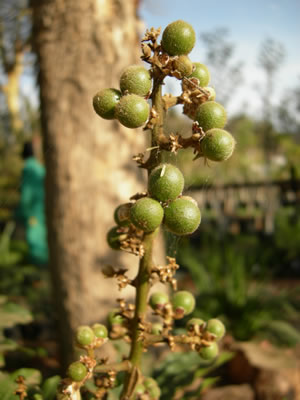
x: 82, y: 47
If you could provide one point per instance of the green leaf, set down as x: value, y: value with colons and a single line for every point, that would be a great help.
x: 50, y: 386
x: 7, y: 388
x: 12, y: 314
x: 223, y: 358
x: 7, y: 345
x: 2, y: 361
x: 32, y: 376
x: 208, y: 382
x: 283, y: 332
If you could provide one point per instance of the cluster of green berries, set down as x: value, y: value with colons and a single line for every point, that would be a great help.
x: 216, y: 330
x: 127, y: 105
x: 86, y: 337
x: 217, y: 144
x: 180, y: 215
x: 183, y: 302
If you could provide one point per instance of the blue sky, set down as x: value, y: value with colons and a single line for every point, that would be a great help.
x: 249, y: 23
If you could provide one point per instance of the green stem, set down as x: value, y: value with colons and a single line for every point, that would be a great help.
x: 142, y: 290
x: 158, y: 129
x: 145, y: 265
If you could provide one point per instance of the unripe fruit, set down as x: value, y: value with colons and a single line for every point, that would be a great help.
x: 84, y: 335
x: 209, y: 352
x: 156, y: 328
x: 136, y: 79
x: 152, y: 388
x: 195, y: 321
x: 122, y: 214
x: 100, y: 331
x: 182, y: 217
x: 132, y: 111
x: 178, y: 38
x: 216, y: 327
x: 189, y: 198
x: 139, y: 390
x: 77, y: 371
x: 114, y: 318
x: 184, y: 300
x: 105, y: 102
x: 212, y: 93
x: 113, y: 238
x: 211, y: 115
x: 201, y: 73
x: 183, y: 65
x: 146, y: 214
x: 165, y: 183
x: 217, y: 145
x: 158, y: 300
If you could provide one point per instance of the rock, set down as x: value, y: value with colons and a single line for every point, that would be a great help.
x: 273, y: 385
x: 230, y: 392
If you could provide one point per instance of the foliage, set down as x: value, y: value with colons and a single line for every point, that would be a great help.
x: 20, y: 278
x: 231, y: 285
x: 227, y: 74
x: 35, y: 388
x: 179, y: 370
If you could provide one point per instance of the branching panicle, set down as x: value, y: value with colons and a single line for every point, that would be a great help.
x: 162, y: 203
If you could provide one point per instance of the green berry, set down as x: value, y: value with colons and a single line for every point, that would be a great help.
x: 201, y: 73
x: 184, y: 300
x: 183, y: 65
x: 212, y: 93
x: 166, y: 182
x: 100, y: 331
x: 194, y: 321
x: 136, y: 79
x: 156, y: 328
x: 189, y: 198
x: 209, y: 352
x: 105, y: 102
x: 132, y: 111
x: 152, y: 388
x: 77, y: 371
x: 114, y: 318
x: 216, y: 327
x: 158, y: 299
x: 217, y: 145
x: 84, y: 335
x: 146, y: 214
x: 122, y: 214
x: 211, y: 115
x: 139, y: 390
x: 178, y: 38
x: 114, y: 237
x: 182, y: 217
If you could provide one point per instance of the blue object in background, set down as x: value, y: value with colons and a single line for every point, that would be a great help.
x: 31, y: 210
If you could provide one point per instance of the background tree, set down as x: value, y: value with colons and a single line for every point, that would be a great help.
x: 14, y: 44
x: 226, y: 73
x: 82, y: 47
x: 270, y: 58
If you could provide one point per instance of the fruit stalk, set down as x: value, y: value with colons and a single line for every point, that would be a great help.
x: 157, y: 131
x: 145, y: 264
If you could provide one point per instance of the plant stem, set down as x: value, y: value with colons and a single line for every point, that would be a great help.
x: 157, y: 131
x: 145, y: 265
x: 122, y: 366
x: 142, y: 291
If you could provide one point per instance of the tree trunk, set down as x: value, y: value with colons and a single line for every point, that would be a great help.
x: 82, y: 47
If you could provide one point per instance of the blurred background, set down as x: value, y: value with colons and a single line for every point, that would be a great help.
x: 243, y: 264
